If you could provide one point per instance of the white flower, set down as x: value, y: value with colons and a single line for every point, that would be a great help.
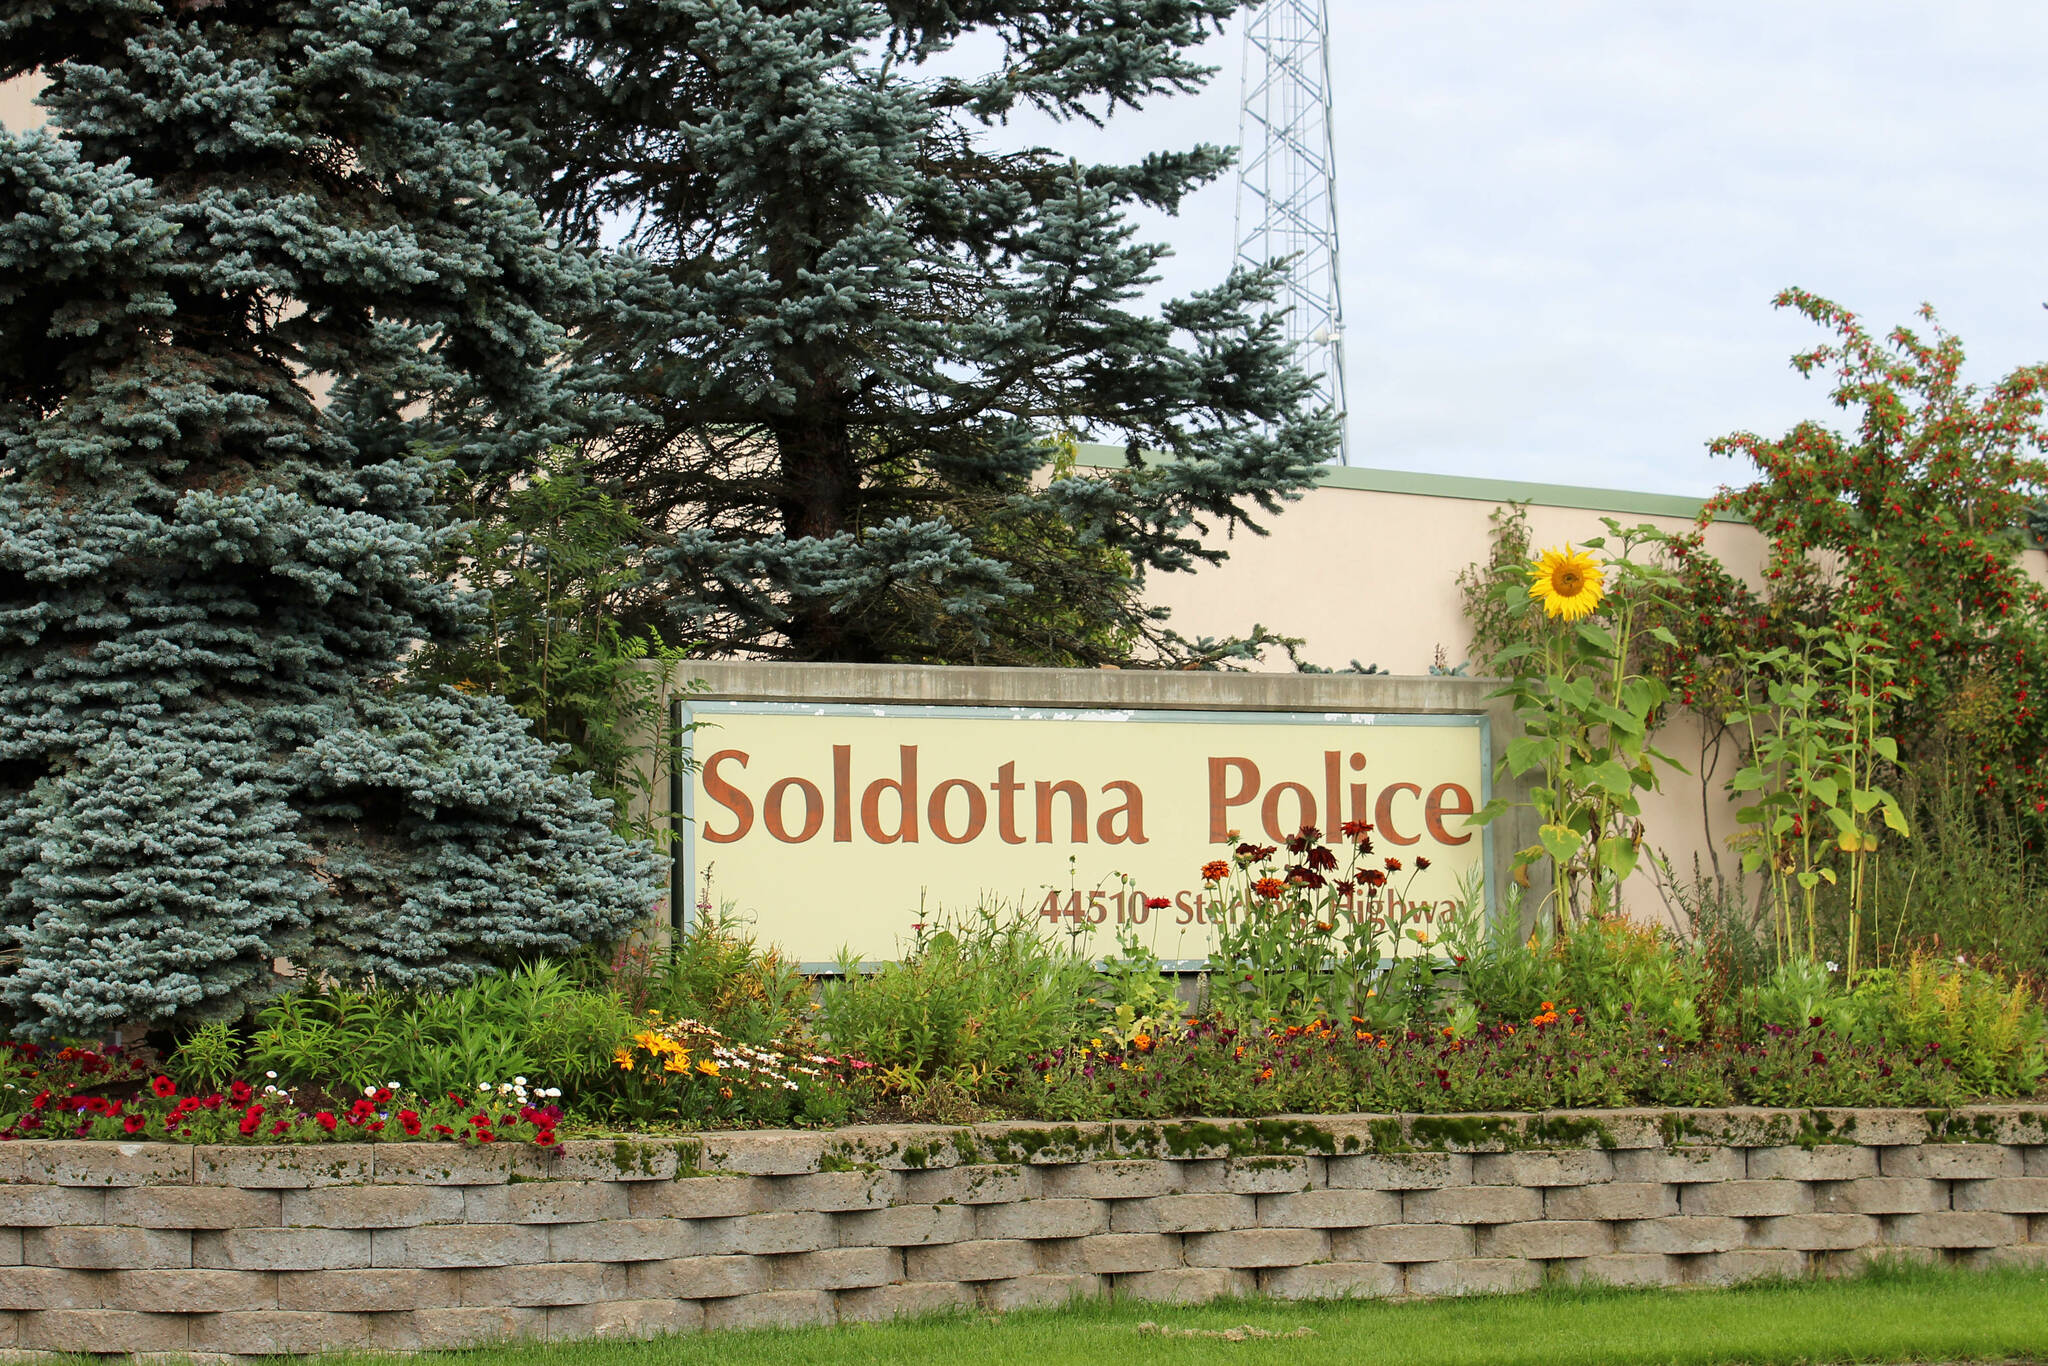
x: 483, y: 1086
x: 519, y: 1081
x: 271, y: 1075
x: 1833, y: 966
x: 553, y: 1092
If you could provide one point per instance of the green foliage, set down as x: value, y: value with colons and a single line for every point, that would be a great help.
x: 209, y: 1057
x: 716, y: 972
x: 1989, y: 1030
x: 556, y: 560
x: 1495, y: 593
x: 973, y: 997
x: 852, y: 323
x: 208, y: 579
x: 1134, y: 997
x: 1814, y: 759
x: 1587, y: 711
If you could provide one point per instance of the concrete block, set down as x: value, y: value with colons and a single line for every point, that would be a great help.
x: 1043, y: 1290
x: 980, y: 1260
x: 770, y: 1233
x: 1332, y: 1281
x: 1573, y: 1167
x: 772, y: 1309
x: 1745, y: 1199
x: 432, y: 1330
x: 899, y: 1147
x: 1186, y: 1285
x: 2036, y: 1159
x: 10, y: 1247
x: 1680, y: 1166
x: 1400, y: 1171
x: 1816, y: 1232
x: 189, y: 1291
x: 50, y: 1287
x: 1876, y: 1128
x: 1403, y: 1243
x: 1474, y: 1276
x: 289, y: 1167
x: 697, y: 1278
x: 1955, y: 1228
x: 1954, y: 1161
x: 1472, y: 1205
x: 1680, y: 1237
x: 445, y: 1164
x: 1329, y: 1209
x: 192, y: 1207
x: 459, y: 1245
x: 371, y: 1206
x: 281, y: 1249
x: 624, y: 1240
x: 43, y: 1206
x: 96, y: 1163
x: 1042, y: 1219
x: 107, y: 1248
x: 1035, y: 1143
x: 697, y: 1197
x: 636, y: 1161
x: 542, y: 1202
x: 2008, y: 1195
x: 836, y: 1268
x: 1617, y: 1268
x: 1744, y: 1264
x: 763, y: 1152
x: 542, y: 1284
x: 1273, y: 1175
x: 1547, y: 1239
x: 1108, y: 1254
x: 1612, y: 1200
x: 1118, y: 1179
x: 917, y: 1299
x: 821, y: 1191
x: 628, y: 1320
x: 2034, y: 1254
x: 977, y: 1184
x: 907, y: 1226
x: 1828, y: 1162
x: 109, y: 1332
x: 279, y: 1332
x: 1880, y: 1195
x: 1256, y: 1247
x: 1183, y: 1214
x: 376, y: 1290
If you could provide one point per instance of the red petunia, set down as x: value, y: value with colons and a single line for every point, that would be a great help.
x: 134, y: 1124
x: 325, y: 1119
x: 544, y: 1139
x: 409, y: 1120
x: 163, y: 1087
x: 241, y: 1093
x: 252, y: 1119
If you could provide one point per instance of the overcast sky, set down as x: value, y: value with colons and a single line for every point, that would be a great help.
x: 1563, y: 223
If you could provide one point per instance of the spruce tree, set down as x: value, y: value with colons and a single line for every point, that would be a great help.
x: 208, y: 580
x: 861, y: 326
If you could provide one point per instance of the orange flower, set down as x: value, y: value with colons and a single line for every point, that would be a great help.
x: 1215, y: 870
x: 1269, y: 887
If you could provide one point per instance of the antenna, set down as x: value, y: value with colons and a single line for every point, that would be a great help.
x: 1287, y: 181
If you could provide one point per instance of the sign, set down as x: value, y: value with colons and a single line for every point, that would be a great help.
x: 845, y: 826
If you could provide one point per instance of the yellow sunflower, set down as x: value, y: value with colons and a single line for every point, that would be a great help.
x: 1567, y: 582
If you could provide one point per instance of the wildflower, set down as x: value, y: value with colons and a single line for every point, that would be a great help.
x: 1569, y: 583
x: 1269, y: 887
x: 1421, y: 864
x: 1156, y: 903
x: 1215, y: 870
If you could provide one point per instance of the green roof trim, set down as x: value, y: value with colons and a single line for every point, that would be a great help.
x: 1475, y: 489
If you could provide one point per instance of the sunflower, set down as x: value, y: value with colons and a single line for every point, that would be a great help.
x: 1567, y: 582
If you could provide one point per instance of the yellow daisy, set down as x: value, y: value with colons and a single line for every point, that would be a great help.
x: 676, y: 1062
x: 707, y: 1067
x: 1568, y: 583
x: 624, y: 1058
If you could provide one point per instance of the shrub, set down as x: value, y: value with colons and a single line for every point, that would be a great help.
x: 972, y: 1000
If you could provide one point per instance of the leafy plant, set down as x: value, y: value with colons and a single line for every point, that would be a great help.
x: 1586, y: 711
x: 1991, y: 1031
x: 209, y: 1057
x: 1814, y: 754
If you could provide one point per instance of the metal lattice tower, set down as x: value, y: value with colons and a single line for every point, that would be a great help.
x: 1287, y: 180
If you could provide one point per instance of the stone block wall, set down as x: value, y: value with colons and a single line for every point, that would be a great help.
x: 235, y: 1251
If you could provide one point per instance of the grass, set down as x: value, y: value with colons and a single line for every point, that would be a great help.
x: 1893, y: 1314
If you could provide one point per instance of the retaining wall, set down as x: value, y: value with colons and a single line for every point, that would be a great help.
x: 238, y: 1250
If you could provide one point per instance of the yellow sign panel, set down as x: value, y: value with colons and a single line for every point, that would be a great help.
x: 846, y: 826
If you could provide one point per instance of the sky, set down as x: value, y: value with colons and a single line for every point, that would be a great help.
x: 1563, y: 223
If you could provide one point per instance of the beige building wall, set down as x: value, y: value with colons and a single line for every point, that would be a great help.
x: 1365, y: 568
x: 19, y: 111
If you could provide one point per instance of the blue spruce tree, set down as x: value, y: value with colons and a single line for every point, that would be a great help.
x: 861, y: 320
x: 208, y: 580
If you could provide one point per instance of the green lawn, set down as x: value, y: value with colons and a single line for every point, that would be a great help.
x: 1892, y: 1316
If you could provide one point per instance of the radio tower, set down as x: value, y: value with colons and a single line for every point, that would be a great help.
x: 1287, y: 181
